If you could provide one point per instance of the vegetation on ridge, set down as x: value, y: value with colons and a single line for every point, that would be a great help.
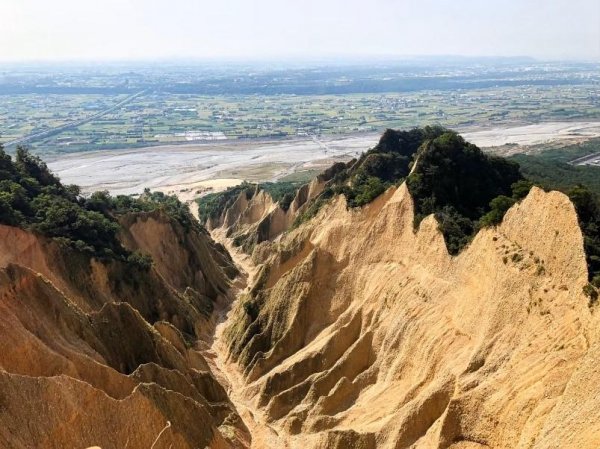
x: 213, y: 205
x: 587, y: 205
x: 282, y: 192
x: 33, y: 198
x: 558, y: 175
x: 388, y: 163
x: 364, y: 179
x: 465, y: 188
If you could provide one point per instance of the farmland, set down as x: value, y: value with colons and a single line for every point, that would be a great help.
x: 67, y: 111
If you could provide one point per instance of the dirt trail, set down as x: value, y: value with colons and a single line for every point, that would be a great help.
x: 226, y: 372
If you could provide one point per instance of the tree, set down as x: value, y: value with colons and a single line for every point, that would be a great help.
x: 32, y: 166
x: 499, y: 206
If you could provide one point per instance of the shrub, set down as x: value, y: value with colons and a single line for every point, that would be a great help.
x: 363, y: 180
x: 499, y: 206
x: 456, y: 228
x: 213, y: 204
x: 32, y: 197
x: 590, y: 291
x: 282, y: 192
x: 365, y: 191
x: 251, y: 309
x: 587, y: 205
x: 142, y: 261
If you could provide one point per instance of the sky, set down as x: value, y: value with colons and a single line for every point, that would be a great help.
x: 96, y: 30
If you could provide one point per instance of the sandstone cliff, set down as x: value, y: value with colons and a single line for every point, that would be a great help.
x: 103, y: 353
x: 356, y: 329
x: 254, y: 217
x: 361, y: 332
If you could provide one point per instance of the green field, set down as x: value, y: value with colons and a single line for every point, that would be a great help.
x: 160, y: 118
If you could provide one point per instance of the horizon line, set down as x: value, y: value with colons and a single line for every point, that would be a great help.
x: 324, y: 59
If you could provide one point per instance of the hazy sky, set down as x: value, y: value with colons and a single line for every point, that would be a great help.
x: 255, y: 29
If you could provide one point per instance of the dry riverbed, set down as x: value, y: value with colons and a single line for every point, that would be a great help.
x: 192, y: 170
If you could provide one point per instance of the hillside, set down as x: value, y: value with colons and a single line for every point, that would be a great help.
x: 361, y: 330
x: 103, y: 335
x: 446, y: 176
x: 465, y: 189
x: 424, y: 295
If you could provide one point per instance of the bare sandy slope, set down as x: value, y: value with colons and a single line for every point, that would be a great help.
x: 97, y: 353
x: 360, y: 332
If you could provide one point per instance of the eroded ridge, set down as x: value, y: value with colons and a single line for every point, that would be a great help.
x: 102, y: 353
x: 359, y: 331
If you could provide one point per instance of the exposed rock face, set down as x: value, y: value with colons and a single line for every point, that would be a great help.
x: 356, y: 332
x: 361, y: 332
x: 184, y: 259
x: 108, y: 354
x: 255, y: 218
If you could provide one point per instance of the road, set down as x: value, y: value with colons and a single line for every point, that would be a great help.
x: 57, y: 130
x: 590, y: 159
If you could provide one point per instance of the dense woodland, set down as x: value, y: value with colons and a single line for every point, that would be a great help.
x: 451, y: 178
x: 558, y: 175
x: 465, y: 188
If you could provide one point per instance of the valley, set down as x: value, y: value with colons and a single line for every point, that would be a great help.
x: 388, y: 311
x: 373, y: 308
x: 63, y: 108
x: 328, y: 224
